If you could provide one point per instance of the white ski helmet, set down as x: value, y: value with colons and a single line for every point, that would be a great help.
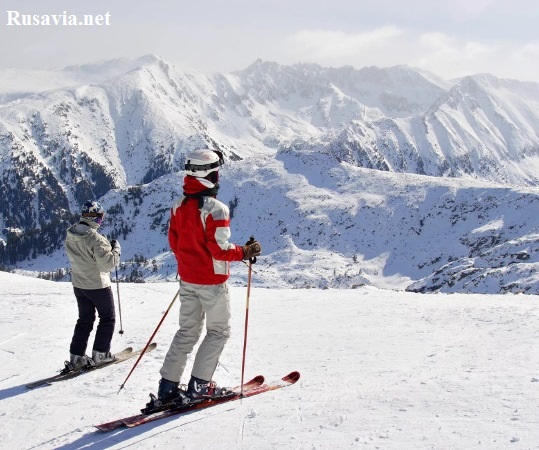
x: 202, y: 162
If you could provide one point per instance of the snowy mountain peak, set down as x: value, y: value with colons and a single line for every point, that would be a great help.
x: 114, y: 66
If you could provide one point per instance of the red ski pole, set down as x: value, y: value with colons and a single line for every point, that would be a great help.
x: 149, y: 340
x: 251, y: 262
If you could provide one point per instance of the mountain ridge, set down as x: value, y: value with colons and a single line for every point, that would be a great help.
x: 116, y: 140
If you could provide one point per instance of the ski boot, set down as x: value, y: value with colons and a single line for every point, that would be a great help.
x: 169, y: 395
x: 101, y: 358
x: 76, y: 362
x: 168, y: 391
x: 199, y: 390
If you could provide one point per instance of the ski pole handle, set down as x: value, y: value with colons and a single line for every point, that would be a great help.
x: 252, y: 259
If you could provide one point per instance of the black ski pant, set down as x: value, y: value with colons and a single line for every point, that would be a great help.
x: 90, y: 301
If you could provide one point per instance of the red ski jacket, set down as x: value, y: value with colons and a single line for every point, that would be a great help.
x: 198, y: 235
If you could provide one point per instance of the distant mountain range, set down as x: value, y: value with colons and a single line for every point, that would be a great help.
x: 390, y: 177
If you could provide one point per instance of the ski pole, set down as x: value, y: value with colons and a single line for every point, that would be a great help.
x: 119, y: 304
x: 149, y: 340
x: 251, y: 262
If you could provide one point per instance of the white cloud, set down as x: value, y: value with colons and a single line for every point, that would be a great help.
x: 440, y: 53
x: 334, y: 46
x: 451, y: 57
x: 528, y: 51
x: 438, y: 45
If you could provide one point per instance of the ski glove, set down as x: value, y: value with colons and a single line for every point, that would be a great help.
x: 251, y: 248
x: 116, y: 246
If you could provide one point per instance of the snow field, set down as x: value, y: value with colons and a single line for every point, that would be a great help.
x: 379, y: 369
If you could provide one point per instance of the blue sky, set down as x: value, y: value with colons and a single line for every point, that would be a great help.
x: 449, y: 38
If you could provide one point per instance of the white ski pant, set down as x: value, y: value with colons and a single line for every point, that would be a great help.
x: 199, y: 302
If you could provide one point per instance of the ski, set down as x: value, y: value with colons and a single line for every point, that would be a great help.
x: 254, y: 387
x: 121, y: 356
x: 250, y: 391
x: 110, y: 426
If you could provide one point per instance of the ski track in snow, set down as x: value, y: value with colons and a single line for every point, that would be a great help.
x: 379, y: 369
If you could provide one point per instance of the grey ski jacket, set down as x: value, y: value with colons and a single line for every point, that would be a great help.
x: 91, y: 257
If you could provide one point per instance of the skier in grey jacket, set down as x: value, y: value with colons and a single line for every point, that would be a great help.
x: 92, y: 257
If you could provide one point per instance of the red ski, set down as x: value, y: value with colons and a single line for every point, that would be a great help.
x: 254, y: 387
x: 110, y: 426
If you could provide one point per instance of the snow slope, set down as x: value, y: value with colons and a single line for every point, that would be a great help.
x: 379, y: 369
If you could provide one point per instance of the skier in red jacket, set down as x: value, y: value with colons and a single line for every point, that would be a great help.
x: 198, y: 235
